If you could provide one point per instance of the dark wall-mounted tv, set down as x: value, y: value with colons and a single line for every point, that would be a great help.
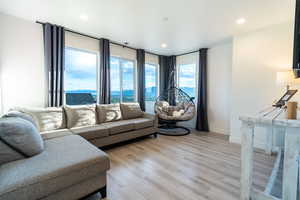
x: 296, y: 63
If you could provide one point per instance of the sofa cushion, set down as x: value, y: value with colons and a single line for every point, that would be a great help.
x: 47, y: 119
x: 140, y: 123
x: 66, y: 161
x: 55, y: 133
x: 7, y: 154
x: 108, y: 112
x: 77, y: 116
x: 21, y: 135
x: 131, y: 110
x: 119, y: 126
x: 91, y: 132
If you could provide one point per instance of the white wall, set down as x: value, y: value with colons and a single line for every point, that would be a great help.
x: 21, y: 62
x: 219, y: 86
x: 257, y: 56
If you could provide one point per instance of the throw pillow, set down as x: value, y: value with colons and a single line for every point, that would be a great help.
x: 80, y: 115
x: 131, y: 110
x: 21, y: 135
x: 47, y: 119
x: 108, y: 112
x: 21, y: 115
x: 7, y: 154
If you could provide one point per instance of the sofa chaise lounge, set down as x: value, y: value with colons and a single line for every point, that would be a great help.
x: 70, y: 167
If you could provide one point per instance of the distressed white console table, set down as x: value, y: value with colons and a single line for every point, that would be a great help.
x: 283, y: 138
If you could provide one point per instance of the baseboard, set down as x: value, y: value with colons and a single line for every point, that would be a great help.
x: 219, y: 130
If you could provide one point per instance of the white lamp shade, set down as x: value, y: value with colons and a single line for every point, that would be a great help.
x: 286, y: 78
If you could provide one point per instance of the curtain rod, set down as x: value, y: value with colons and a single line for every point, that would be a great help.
x: 112, y: 42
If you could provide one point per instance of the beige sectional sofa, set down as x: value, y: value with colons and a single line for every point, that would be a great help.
x: 70, y: 167
x: 101, y: 125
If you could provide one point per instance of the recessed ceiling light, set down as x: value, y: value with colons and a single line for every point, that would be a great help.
x: 241, y: 21
x: 165, y: 19
x: 164, y: 45
x: 84, y: 17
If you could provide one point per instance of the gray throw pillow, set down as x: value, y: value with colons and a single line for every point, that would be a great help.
x: 21, y: 115
x: 21, y: 135
x: 7, y: 154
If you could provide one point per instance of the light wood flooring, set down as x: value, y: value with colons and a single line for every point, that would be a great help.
x: 194, y: 167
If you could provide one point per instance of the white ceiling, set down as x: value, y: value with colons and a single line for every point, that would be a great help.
x: 191, y: 24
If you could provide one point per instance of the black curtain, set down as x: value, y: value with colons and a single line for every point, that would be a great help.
x: 171, y: 79
x: 167, y: 76
x: 104, y: 96
x: 140, y: 57
x: 54, y: 52
x: 202, y: 121
x: 167, y: 65
x: 163, y: 81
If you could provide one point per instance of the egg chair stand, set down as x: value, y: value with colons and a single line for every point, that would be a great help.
x: 170, y: 128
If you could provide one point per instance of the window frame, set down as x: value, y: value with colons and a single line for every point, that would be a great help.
x: 97, y: 72
x: 122, y: 60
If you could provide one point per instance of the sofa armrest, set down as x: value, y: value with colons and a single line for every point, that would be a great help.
x: 153, y: 117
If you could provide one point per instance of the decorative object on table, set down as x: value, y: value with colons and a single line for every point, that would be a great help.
x: 174, y: 106
x: 286, y: 79
x: 285, y: 98
x: 279, y: 106
x: 291, y: 110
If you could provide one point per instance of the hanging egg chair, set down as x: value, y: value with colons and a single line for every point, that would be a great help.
x: 174, y: 106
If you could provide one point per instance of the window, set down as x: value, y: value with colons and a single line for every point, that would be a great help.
x: 151, y: 82
x: 80, y: 76
x: 123, y: 81
x: 151, y: 86
x: 186, y: 78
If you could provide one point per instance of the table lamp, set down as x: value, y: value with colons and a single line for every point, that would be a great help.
x: 287, y: 79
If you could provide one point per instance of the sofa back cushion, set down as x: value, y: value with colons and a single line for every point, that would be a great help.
x: 108, y: 112
x: 21, y: 136
x: 131, y: 110
x: 77, y: 116
x: 47, y: 119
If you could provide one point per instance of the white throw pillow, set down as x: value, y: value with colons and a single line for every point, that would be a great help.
x: 108, y: 112
x: 47, y: 119
x: 77, y: 116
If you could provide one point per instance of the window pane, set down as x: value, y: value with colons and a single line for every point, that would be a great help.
x: 151, y: 87
x: 187, y: 78
x: 128, y: 93
x: 115, y: 80
x: 80, y: 77
x: 122, y: 76
x: 150, y: 82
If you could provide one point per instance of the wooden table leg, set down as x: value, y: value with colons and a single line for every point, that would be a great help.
x: 246, y: 160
